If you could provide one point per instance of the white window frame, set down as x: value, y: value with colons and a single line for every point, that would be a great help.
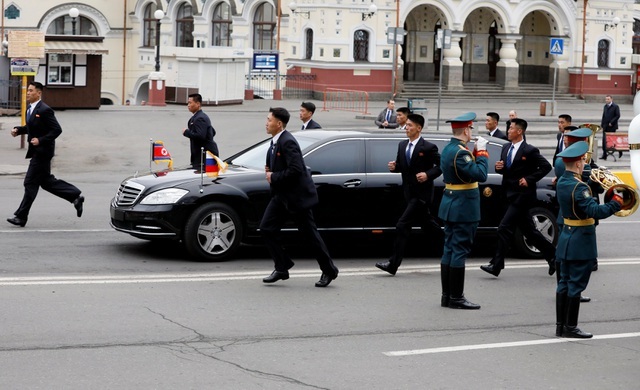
x: 58, y: 62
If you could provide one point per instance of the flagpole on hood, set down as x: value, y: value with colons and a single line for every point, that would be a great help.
x: 201, y: 170
x: 151, y: 156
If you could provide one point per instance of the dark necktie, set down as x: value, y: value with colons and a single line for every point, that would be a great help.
x: 509, y: 156
x: 408, y: 153
x: 302, y: 127
x: 29, y: 112
x: 271, y: 154
x: 561, y: 144
x: 388, y: 115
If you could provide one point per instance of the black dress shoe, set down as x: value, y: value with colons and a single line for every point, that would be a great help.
x: 619, y: 154
x: 490, y: 269
x: 604, y: 157
x: 584, y: 299
x: 462, y: 303
x: 595, y: 266
x: 275, y: 276
x: 387, y: 267
x: 573, y: 332
x: 78, y: 205
x: 17, y: 221
x: 326, y: 279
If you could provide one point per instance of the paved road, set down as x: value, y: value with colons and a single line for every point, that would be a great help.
x: 87, y: 307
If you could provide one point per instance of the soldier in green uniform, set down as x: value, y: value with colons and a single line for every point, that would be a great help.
x: 460, y: 207
x: 572, y: 135
x: 577, y: 247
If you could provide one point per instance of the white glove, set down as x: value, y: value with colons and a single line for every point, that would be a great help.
x: 481, y: 144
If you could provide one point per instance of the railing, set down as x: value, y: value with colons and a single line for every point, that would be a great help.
x: 10, y: 94
x: 345, y: 100
x: 293, y: 86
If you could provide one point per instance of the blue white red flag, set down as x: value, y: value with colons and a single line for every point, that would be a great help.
x: 213, y: 165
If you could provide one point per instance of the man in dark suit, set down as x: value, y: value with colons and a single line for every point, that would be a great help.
x: 418, y: 161
x: 564, y: 123
x: 521, y: 166
x: 42, y: 129
x: 387, y: 117
x: 491, y: 124
x: 292, y: 192
x: 609, y: 123
x: 462, y: 169
x: 307, y: 109
x: 402, y: 114
x: 200, y: 132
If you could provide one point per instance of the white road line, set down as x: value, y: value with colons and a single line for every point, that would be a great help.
x: 250, y: 275
x: 505, y: 345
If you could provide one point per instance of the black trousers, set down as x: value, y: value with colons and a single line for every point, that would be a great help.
x: 39, y: 175
x: 519, y: 217
x: 271, y: 224
x: 416, y: 210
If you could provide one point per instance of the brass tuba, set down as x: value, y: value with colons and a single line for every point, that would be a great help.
x: 611, y: 183
x: 591, y: 141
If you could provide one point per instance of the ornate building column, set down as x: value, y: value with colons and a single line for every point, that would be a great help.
x: 452, y: 64
x: 507, y: 68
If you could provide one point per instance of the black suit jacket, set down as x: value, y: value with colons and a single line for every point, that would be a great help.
x: 527, y: 163
x: 610, y: 117
x: 43, y: 125
x: 425, y: 158
x: 200, y: 133
x: 291, y: 181
x: 313, y: 125
x: 555, y: 154
x: 499, y: 134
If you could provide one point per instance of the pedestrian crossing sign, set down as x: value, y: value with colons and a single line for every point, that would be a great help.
x: 556, y: 46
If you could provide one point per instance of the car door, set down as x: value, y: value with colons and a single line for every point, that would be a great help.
x: 383, y: 197
x: 337, y: 168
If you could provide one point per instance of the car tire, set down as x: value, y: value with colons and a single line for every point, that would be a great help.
x: 213, y: 232
x: 545, y: 222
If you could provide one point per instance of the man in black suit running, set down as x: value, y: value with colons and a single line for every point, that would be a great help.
x: 521, y: 166
x: 418, y: 161
x: 307, y: 109
x: 292, y: 192
x: 42, y: 129
x: 200, y: 132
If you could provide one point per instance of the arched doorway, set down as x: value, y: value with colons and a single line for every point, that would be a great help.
x: 420, y: 56
x: 533, y: 49
x: 493, y: 50
x: 481, y: 46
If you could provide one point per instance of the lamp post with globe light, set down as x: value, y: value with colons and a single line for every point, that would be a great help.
x: 157, y: 87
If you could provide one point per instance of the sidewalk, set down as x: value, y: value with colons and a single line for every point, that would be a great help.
x: 117, y: 136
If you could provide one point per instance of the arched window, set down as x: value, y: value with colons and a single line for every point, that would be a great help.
x: 150, y: 24
x: 361, y: 46
x: 603, y: 54
x: 64, y: 26
x: 221, y: 25
x: 184, y: 26
x: 308, y: 44
x: 264, y: 28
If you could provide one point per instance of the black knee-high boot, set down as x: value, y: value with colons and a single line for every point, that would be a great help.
x: 456, y: 286
x: 561, y: 312
x: 444, y: 280
x: 571, y: 329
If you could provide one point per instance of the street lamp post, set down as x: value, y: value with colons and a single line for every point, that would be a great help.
x: 73, y: 13
x: 159, y: 14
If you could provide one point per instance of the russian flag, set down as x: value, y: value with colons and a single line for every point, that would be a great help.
x: 213, y: 165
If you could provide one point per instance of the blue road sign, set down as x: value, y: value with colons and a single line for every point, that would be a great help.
x: 556, y: 46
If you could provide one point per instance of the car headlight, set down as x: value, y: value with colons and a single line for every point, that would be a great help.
x: 168, y: 196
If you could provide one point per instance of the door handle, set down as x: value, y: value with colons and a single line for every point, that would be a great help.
x: 352, y: 183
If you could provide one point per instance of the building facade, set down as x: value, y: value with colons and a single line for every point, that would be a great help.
x: 105, y: 54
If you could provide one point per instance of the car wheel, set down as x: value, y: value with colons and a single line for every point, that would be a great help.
x: 545, y: 222
x: 213, y: 232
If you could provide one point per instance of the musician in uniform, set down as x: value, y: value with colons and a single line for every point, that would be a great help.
x: 577, y: 247
x: 460, y: 207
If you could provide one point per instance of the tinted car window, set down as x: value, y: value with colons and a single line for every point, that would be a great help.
x: 380, y: 152
x: 256, y: 156
x: 341, y: 156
